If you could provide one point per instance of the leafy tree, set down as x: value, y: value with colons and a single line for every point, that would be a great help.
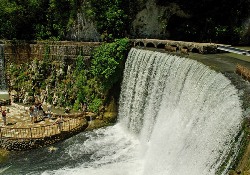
x: 108, y: 61
x: 55, y: 23
x: 18, y: 17
x: 110, y: 17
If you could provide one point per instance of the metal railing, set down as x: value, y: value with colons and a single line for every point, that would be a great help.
x: 41, y: 131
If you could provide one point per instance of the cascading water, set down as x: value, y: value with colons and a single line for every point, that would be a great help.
x: 176, y: 117
x: 186, y: 115
x: 3, y: 85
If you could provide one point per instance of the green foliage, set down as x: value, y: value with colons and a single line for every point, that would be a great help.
x: 53, y: 25
x: 110, y: 17
x: 49, y: 99
x: 90, y: 82
x: 108, y: 61
x: 80, y: 64
x: 94, y: 82
x: 52, y: 19
x: 36, y: 19
x: 77, y: 105
x: 81, y: 79
x: 95, y: 104
x: 18, y: 18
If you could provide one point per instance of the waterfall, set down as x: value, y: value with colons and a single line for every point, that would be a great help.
x: 185, y: 115
x: 3, y: 85
x: 176, y: 117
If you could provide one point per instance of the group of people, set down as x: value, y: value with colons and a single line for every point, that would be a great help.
x: 4, y: 114
x: 36, y: 111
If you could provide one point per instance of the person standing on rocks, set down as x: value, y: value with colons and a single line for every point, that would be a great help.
x: 59, y: 121
x: 84, y: 108
x: 49, y: 111
x: 4, y: 117
x: 31, y: 109
x: 35, y: 113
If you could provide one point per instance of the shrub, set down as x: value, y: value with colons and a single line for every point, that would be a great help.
x: 108, y: 62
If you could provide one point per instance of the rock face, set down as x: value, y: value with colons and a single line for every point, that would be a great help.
x: 152, y: 20
x: 83, y: 29
x: 148, y: 21
x: 147, y: 24
x: 44, y: 70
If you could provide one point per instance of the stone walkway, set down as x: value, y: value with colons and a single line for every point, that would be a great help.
x: 18, y: 117
x: 21, y: 134
x: 19, y: 125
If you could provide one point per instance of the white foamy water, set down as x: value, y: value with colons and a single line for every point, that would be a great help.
x: 3, y: 85
x: 176, y: 117
x: 113, y: 151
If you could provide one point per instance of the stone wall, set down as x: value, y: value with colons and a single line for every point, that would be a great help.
x: 47, y: 67
x: 22, y: 51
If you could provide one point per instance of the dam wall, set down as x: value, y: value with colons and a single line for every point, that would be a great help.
x: 23, y: 51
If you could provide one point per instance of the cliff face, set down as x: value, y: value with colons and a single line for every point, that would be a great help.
x: 152, y: 20
x: 174, y: 19
x: 66, y: 74
x: 83, y: 29
x: 45, y: 70
x: 94, y: 20
x: 148, y: 20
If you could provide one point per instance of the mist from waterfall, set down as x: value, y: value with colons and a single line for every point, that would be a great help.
x: 3, y: 85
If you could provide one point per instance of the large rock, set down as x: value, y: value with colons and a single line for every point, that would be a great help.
x: 151, y: 22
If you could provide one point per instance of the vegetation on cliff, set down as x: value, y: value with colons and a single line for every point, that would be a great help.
x: 206, y: 21
x: 52, y: 19
x: 63, y: 83
x: 100, y: 81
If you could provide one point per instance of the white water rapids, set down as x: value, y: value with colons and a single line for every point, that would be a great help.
x: 176, y: 117
x: 3, y: 85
